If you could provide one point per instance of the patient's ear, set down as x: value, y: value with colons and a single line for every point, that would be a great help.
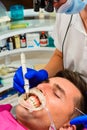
x: 68, y: 127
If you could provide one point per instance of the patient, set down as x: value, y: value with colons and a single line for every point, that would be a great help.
x: 50, y: 106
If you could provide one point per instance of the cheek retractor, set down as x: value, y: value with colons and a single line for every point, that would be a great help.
x: 35, y: 101
x: 24, y: 70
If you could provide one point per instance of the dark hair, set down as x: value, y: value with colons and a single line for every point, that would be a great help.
x: 78, y: 81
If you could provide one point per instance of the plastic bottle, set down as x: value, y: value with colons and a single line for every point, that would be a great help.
x: 17, y: 41
x: 43, y: 39
x: 10, y: 44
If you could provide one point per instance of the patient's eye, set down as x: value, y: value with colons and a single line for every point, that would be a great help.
x: 57, y: 95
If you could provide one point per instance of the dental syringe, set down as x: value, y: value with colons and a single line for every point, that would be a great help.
x: 24, y: 70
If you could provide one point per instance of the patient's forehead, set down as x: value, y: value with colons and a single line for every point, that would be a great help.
x: 60, y: 80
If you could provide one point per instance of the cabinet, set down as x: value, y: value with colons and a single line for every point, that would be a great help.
x: 36, y: 57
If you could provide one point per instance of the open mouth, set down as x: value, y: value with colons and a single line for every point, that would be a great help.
x: 35, y: 102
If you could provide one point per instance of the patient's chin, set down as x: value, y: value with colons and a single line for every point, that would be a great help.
x: 21, y: 111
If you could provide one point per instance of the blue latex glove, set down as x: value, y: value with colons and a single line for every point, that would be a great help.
x: 79, y: 120
x: 35, y: 77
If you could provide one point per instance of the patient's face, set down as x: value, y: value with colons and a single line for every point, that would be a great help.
x: 60, y: 95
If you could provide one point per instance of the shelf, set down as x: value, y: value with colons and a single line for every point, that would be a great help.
x: 34, y: 57
x: 18, y: 51
x: 4, y: 88
x: 12, y: 99
x: 34, y: 54
x: 31, y: 13
x: 10, y: 33
x: 35, y: 25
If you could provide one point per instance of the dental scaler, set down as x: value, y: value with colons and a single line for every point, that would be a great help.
x: 24, y: 70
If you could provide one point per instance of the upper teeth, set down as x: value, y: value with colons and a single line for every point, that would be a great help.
x: 34, y: 101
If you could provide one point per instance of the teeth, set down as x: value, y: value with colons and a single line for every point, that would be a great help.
x: 35, y: 102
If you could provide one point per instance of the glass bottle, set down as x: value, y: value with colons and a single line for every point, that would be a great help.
x: 43, y: 39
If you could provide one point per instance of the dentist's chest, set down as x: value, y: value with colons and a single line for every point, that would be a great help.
x: 75, y: 49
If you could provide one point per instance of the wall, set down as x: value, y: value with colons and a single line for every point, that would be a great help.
x: 27, y: 3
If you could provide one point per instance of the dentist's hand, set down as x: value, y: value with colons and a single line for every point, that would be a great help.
x: 80, y: 120
x: 35, y: 77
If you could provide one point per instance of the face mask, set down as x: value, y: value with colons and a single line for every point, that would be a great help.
x: 72, y: 6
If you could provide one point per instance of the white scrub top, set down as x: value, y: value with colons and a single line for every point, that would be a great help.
x: 75, y: 45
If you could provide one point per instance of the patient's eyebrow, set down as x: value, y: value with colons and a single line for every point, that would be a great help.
x: 60, y: 89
